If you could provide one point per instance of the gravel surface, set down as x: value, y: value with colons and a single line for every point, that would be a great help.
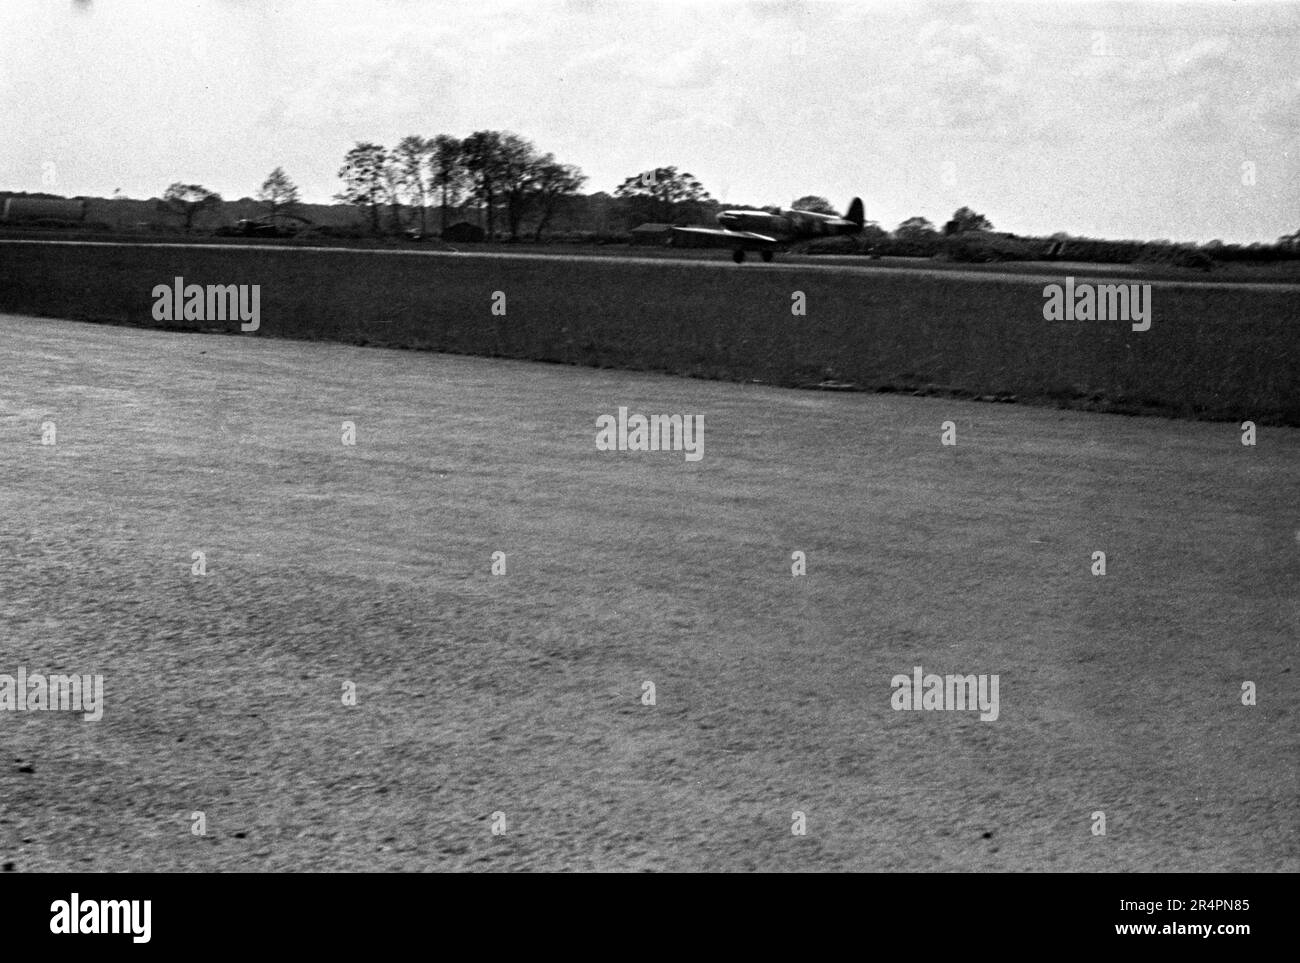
x: 522, y: 694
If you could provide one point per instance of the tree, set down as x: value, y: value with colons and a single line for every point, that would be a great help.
x: 447, y: 171
x: 278, y: 193
x: 413, y: 175
x: 871, y: 236
x: 393, y: 192
x: 505, y: 172
x: 554, y: 182
x: 967, y: 220
x: 662, y: 194
x: 481, y: 159
x: 188, y: 201
x: 915, y: 229
x: 818, y: 205
x: 526, y: 181
x: 517, y: 173
x: 365, y: 179
x: 600, y: 209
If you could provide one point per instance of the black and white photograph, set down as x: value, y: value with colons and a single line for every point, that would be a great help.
x: 650, y: 436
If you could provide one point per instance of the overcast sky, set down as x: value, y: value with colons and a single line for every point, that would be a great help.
x: 1126, y: 119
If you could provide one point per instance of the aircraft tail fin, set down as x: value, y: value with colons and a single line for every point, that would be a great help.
x: 855, y: 213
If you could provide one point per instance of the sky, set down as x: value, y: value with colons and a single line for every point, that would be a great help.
x: 1143, y: 120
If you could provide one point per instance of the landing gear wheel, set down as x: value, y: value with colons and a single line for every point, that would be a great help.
x: 767, y: 257
x: 738, y: 257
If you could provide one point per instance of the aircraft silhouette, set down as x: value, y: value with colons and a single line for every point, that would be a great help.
x: 768, y: 233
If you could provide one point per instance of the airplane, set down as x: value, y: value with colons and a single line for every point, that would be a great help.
x: 767, y: 233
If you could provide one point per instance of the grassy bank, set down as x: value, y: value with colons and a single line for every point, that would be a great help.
x: 1214, y: 352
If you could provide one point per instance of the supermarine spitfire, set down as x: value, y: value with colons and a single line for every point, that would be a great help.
x: 768, y: 233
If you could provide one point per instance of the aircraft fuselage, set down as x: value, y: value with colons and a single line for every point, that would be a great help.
x: 767, y: 233
x: 787, y: 225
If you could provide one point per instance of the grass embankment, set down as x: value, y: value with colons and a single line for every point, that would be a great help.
x: 1212, y: 352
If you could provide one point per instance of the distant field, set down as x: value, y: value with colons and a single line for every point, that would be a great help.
x: 521, y: 693
x: 1287, y: 272
x: 1226, y: 272
x: 1221, y: 352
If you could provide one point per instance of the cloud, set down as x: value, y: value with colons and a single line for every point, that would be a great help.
x: 694, y: 67
x: 970, y: 83
x: 689, y: 68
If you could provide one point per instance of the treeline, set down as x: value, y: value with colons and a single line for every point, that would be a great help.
x: 970, y: 237
x: 498, y: 185
x: 505, y: 181
x: 503, y: 173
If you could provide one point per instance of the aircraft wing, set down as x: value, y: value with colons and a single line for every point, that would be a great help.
x: 721, y: 237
